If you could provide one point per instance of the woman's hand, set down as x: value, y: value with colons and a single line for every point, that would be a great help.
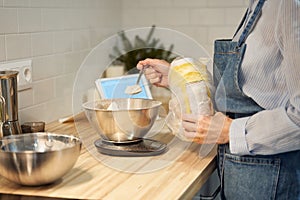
x: 156, y: 71
x: 207, y: 129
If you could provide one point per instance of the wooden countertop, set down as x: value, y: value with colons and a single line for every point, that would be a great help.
x: 176, y: 174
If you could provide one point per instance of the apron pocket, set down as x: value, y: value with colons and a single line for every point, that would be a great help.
x: 247, y: 177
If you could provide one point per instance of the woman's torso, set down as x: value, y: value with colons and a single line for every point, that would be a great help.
x: 261, y: 75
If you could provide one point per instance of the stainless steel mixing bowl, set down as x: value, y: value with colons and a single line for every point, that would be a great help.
x: 122, y: 120
x: 37, y: 158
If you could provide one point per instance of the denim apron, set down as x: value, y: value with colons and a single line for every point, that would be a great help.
x: 256, y: 177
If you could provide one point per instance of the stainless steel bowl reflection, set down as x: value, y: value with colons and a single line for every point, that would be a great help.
x: 37, y: 158
x: 122, y: 120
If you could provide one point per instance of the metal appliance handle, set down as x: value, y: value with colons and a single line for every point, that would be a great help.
x: 3, y: 109
x: 3, y: 115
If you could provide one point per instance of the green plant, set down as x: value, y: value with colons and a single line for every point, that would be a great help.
x: 140, y: 49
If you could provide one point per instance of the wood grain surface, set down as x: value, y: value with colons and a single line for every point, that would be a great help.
x: 177, y: 174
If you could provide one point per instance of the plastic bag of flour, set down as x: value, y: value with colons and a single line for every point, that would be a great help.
x: 192, y: 90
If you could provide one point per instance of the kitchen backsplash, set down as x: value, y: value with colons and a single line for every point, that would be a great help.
x: 202, y: 20
x: 57, y: 35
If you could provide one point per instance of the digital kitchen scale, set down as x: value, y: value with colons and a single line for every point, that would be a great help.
x: 135, y: 148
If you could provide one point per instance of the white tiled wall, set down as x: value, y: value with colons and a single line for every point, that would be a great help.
x: 203, y: 20
x: 58, y: 34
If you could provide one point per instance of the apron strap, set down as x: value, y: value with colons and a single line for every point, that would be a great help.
x: 251, y: 23
x: 241, y: 23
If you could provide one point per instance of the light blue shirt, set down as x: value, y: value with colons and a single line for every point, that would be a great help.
x: 270, y: 74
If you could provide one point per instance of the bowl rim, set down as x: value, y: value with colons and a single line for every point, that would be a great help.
x: 89, y: 105
x: 75, y: 140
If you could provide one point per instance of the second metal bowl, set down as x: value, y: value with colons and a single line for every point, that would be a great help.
x: 37, y: 158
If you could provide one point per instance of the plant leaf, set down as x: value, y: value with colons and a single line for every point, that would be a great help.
x: 150, y: 34
x: 139, y: 43
x: 131, y: 53
x: 117, y: 51
x: 154, y: 42
x: 126, y: 43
